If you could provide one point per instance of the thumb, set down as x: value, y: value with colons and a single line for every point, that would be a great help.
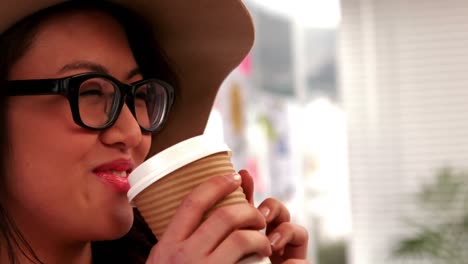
x: 247, y: 185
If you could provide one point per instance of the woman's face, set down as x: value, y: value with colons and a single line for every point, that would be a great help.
x: 63, y: 178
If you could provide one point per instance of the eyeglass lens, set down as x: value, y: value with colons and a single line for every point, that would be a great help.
x: 150, y: 104
x: 99, y: 100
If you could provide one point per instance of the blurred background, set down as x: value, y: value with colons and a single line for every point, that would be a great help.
x: 354, y: 114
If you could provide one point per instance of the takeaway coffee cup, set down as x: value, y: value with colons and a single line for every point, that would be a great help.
x: 160, y: 184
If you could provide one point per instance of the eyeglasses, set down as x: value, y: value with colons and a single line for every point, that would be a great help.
x: 96, y: 99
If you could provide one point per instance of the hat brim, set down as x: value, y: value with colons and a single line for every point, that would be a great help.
x: 203, y: 39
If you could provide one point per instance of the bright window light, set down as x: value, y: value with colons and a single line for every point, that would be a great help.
x: 309, y: 13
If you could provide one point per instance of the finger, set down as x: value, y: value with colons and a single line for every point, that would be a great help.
x: 190, y: 212
x: 291, y: 238
x: 247, y: 185
x: 241, y: 243
x: 222, y: 222
x: 275, y: 212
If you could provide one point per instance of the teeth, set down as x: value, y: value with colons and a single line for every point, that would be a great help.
x: 121, y: 174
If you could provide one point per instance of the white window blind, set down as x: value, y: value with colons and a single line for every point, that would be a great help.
x: 404, y: 83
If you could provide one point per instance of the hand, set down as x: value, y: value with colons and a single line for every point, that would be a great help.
x: 288, y: 240
x: 228, y: 234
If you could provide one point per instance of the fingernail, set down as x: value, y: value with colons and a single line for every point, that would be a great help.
x: 274, y: 239
x: 235, y: 177
x: 265, y: 211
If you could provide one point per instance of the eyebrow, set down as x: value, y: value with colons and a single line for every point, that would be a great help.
x: 94, y: 67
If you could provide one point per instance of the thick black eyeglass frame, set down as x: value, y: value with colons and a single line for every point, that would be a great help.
x: 69, y: 87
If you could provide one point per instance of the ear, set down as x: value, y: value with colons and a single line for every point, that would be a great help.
x: 247, y: 185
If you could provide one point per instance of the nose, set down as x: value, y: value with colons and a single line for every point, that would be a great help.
x: 125, y: 133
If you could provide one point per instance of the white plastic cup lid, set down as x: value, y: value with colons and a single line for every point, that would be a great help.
x: 170, y: 160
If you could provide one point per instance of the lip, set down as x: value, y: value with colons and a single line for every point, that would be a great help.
x: 118, y: 183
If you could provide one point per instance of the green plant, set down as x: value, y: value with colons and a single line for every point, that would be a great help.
x: 442, y: 231
x: 332, y: 252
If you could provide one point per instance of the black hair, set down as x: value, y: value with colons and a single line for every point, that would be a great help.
x: 135, y: 246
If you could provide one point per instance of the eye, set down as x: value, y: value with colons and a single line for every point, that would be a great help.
x: 96, y: 88
x: 142, y: 95
x: 91, y: 93
x: 91, y: 89
x: 97, y: 93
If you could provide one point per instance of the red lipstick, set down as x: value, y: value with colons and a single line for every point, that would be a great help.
x: 115, y: 174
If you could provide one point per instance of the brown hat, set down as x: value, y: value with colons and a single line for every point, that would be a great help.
x: 204, y: 39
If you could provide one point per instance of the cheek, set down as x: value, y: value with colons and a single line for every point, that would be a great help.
x: 143, y: 149
x: 42, y: 157
x: 50, y: 179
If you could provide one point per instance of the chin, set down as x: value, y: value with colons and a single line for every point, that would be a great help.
x: 118, y: 224
x: 124, y: 223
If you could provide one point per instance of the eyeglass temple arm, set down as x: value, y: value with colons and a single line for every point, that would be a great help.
x: 34, y: 87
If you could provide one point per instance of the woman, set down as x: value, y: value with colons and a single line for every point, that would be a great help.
x: 90, y: 96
